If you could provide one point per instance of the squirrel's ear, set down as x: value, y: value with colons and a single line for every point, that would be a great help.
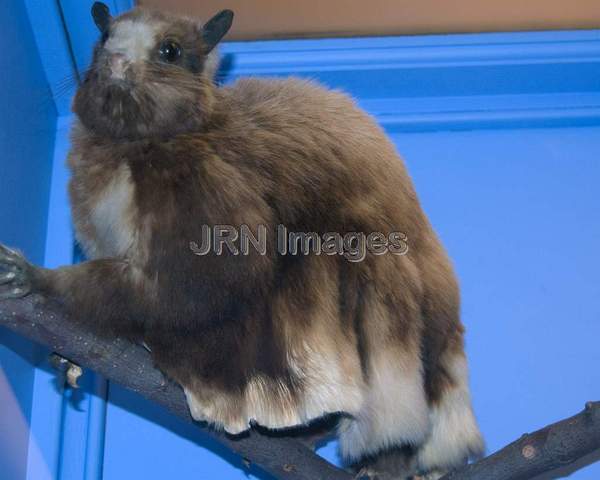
x: 216, y: 28
x: 101, y: 16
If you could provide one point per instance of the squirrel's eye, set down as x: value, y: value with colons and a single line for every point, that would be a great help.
x: 169, y: 51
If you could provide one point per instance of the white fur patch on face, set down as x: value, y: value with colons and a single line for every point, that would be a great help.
x: 454, y: 435
x: 111, y: 216
x: 134, y: 40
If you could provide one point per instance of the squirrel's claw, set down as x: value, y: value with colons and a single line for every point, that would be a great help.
x: 15, y: 281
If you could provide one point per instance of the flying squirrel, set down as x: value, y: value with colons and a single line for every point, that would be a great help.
x: 159, y: 151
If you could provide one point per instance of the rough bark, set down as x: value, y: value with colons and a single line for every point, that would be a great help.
x: 551, y: 448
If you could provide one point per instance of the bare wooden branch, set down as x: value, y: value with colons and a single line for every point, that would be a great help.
x: 286, y: 457
x: 553, y: 447
x: 131, y: 366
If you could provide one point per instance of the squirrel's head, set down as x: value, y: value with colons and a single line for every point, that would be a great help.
x: 152, y: 74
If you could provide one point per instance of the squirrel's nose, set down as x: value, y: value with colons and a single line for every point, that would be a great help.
x: 118, y: 64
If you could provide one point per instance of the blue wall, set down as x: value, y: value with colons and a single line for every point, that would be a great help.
x: 501, y: 133
x: 519, y: 212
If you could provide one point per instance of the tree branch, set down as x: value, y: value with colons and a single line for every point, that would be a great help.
x: 131, y: 366
x: 550, y: 448
x: 285, y: 457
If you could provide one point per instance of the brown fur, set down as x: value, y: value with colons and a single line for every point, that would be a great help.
x: 279, y: 340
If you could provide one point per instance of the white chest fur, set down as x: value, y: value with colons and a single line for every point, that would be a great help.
x: 112, y: 216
